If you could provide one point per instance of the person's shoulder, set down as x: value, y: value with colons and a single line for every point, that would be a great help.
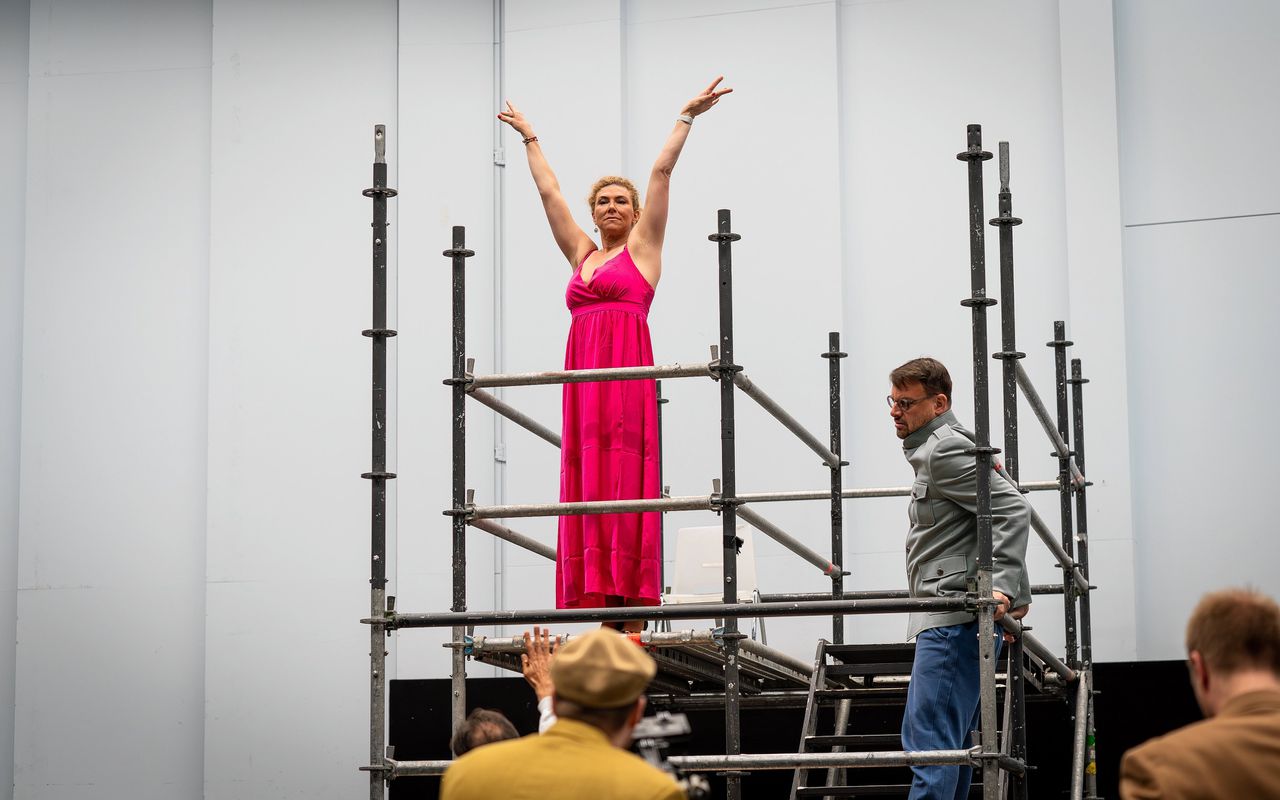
x: 647, y: 781
x: 494, y: 752
x: 1175, y: 745
x: 946, y: 443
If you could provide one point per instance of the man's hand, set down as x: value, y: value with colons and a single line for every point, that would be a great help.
x: 1017, y: 613
x: 1003, y: 608
x: 535, y: 662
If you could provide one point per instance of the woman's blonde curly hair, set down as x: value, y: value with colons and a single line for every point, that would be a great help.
x: 613, y: 180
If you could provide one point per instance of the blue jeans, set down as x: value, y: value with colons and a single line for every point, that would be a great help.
x: 942, y: 706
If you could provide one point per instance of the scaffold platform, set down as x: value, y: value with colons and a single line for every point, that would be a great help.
x: 691, y: 670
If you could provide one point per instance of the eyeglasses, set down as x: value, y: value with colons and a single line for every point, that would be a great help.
x: 904, y: 404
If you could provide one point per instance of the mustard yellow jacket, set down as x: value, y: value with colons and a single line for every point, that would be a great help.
x: 571, y: 761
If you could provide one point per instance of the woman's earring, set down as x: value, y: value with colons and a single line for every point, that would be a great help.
x: 596, y: 228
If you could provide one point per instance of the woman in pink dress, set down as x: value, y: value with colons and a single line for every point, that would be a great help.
x: 609, y: 448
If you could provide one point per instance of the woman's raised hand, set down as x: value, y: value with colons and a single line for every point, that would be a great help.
x: 709, y: 97
x: 515, y: 119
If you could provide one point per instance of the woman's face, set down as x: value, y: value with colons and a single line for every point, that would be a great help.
x: 613, y: 212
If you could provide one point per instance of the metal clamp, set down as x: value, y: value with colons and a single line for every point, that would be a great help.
x: 1008, y: 355
x: 466, y: 510
x: 974, y: 153
x: 719, y: 636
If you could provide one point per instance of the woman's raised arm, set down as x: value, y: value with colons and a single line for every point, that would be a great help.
x: 571, y: 239
x: 645, y: 242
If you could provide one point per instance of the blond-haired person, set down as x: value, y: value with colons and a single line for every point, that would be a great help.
x: 609, y: 441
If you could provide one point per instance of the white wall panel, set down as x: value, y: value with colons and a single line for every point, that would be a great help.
x: 914, y: 75
x: 779, y: 181
x: 111, y: 551
x: 297, y: 89
x: 563, y: 68
x: 526, y: 15
x: 1200, y: 338
x: 13, y: 174
x: 72, y: 37
x: 1097, y: 321
x: 1196, y: 88
x: 446, y: 173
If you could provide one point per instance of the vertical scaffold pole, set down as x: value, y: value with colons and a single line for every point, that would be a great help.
x: 1008, y: 354
x: 1070, y: 594
x: 833, y: 356
x: 1082, y: 519
x: 1016, y: 726
x: 662, y: 517
x: 378, y: 474
x: 982, y: 452
x: 728, y: 498
x: 459, y: 254
x: 1077, y: 382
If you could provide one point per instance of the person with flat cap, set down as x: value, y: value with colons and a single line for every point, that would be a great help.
x: 599, y: 680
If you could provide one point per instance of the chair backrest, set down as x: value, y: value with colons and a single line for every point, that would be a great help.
x: 700, y: 565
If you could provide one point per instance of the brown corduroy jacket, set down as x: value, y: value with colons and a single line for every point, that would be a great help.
x: 1232, y: 756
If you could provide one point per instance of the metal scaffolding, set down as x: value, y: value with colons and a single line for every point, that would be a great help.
x: 741, y: 672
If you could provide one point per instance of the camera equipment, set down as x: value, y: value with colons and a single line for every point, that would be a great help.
x: 652, y: 738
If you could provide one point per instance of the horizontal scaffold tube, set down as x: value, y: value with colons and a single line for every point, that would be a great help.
x: 518, y: 417
x: 763, y: 761
x: 591, y: 375
x: 769, y: 761
x: 692, y: 503
x: 698, y: 611
x: 874, y: 594
x: 766, y: 402
x: 417, y: 769
x: 706, y: 502
x: 516, y: 538
x: 855, y: 494
x: 788, y: 541
x: 1046, y: 421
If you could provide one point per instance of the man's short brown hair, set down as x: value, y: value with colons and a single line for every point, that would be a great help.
x: 1236, y: 629
x: 481, y: 726
x: 928, y: 372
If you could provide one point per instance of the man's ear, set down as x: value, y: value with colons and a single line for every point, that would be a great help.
x: 1199, y: 673
x: 941, y: 403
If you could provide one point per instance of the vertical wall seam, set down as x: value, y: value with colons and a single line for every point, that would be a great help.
x: 624, y: 117
x: 499, y: 289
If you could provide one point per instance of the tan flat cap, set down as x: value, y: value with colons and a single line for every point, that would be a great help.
x: 602, y: 669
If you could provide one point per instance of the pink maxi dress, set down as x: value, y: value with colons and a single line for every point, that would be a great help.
x: 610, y: 444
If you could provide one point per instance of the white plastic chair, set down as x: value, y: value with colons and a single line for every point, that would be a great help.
x: 700, y: 569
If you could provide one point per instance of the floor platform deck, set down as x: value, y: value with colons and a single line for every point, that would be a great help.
x: 691, y: 669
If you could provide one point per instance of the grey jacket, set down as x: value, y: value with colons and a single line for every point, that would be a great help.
x: 942, y: 547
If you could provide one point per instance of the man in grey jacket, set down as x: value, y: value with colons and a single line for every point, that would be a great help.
x: 942, y: 556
